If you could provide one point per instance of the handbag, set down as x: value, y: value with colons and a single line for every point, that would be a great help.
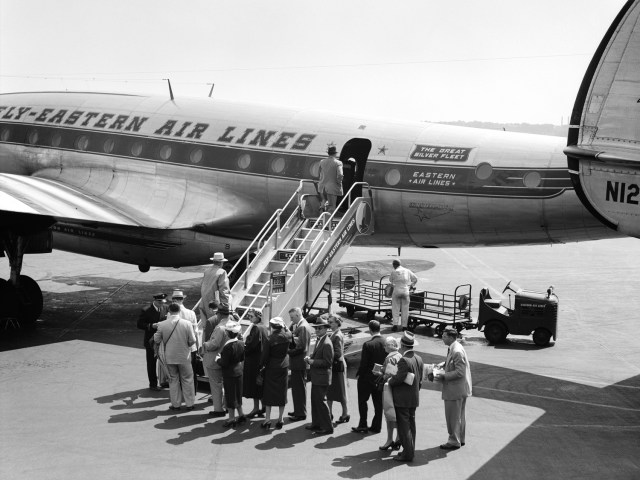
x: 338, y: 366
x: 388, y: 290
x: 260, y: 378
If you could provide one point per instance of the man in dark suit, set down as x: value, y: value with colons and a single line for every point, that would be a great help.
x: 298, y: 350
x: 320, y: 361
x: 372, y: 352
x: 148, y: 321
x: 406, y: 395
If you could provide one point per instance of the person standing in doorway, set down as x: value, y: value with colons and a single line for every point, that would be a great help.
x: 330, y: 183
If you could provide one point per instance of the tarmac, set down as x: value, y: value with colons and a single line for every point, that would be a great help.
x: 75, y: 405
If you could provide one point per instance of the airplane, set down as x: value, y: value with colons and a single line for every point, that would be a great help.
x: 156, y: 181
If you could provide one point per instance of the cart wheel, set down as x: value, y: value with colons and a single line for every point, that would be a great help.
x: 371, y: 315
x: 459, y: 327
x: 412, y: 324
x: 495, y: 332
x: 541, y: 337
x: 350, y: 311
x: 440, y: 330
x: 387, y: 316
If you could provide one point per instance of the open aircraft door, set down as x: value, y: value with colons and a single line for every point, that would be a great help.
x: 357, y: 149
x: 603, y: 146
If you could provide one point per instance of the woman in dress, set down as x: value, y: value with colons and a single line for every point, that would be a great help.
x: 230, y: 359
x: 389, y: 368
x: 337, y: 391
x: 256, y: 336
x: 275, y: 361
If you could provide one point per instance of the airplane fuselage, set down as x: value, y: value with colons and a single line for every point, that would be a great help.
x: 198, y: 176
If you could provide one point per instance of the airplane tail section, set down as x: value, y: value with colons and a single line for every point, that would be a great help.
x: 603, y: 146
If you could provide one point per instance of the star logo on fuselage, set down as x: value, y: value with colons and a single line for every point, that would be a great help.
x: 382, y: 150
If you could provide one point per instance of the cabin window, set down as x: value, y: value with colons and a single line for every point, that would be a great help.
x: 278, y: 164
x: 531, y: 179
x: 392, y: 177
x: 196, y: 155
x: 33, y: 137
x: 165, y: 152
x: 82, y: 142
x: 108, y: 145
x: 56, y: 139
x: 5, y: 135
x: 244, y: 161
x: 314, y: 169
x: 484, y: 171
x: 136, y: 149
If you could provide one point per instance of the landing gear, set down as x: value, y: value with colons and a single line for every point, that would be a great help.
x: 20, y: 296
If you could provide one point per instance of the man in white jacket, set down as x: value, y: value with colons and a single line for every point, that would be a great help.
x: 402, y: 280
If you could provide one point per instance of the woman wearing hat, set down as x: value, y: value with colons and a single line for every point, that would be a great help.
x: 230, y: 359
x: 256, y: 336
x: 337, y: 391
x: 275, y: 361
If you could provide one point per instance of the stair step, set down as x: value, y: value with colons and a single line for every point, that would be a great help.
x: 285, y: 254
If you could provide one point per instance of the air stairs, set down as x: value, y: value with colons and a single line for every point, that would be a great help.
x: 287, y: 265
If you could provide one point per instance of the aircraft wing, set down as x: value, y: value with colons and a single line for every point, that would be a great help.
x: 603, y: 146
x: 90, y: 196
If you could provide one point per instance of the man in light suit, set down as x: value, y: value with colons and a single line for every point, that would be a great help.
x: 456, y: 387
x: 406, y: 396
x: 330, y: 183
x: 320, y: 362
x: 178, y: 337
x: 298, y: 350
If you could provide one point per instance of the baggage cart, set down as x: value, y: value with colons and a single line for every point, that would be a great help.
x: 359, y: 295
x: 441, y: 309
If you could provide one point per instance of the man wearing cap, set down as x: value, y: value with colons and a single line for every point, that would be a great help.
x: 456, y: 387
x: 402, y: 280
x: 298, y: 350
x: 320, y: 362
x: 215, y: 285
x: 177, y: 336
x: 211, y: 347
x: 330, y: 183
x: 406, y: 395
x: 148, y: 321
x: 372, y: 352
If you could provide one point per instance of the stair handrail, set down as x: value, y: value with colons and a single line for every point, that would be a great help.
x: 273, y: 220
x: 328, y: 222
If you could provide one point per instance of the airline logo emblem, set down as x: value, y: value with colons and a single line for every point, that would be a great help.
x: 434, y: 152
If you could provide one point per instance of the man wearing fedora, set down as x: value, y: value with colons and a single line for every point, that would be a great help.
x: 405, y: 386
x: 456, y: 387
x: 320, y: 362
x: 330, y: 183
x: 177, y: 336
x: 148, y: 321
x: 211, y: 347
x: 215, y: 286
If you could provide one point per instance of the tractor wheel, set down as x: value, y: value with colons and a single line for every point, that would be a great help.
x: 350, y: 311
x: 541, y: 337
x: 495, y: 332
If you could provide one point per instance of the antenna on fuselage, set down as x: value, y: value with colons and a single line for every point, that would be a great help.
x: 170, y: 90
x: 211, y: 91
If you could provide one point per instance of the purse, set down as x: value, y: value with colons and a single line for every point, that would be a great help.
x: 338, y: 366
x: 260, y: 378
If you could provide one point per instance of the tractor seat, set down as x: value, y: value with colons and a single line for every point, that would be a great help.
x: 493, y: 303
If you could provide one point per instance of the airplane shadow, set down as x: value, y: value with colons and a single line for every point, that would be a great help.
x: 373, y: 463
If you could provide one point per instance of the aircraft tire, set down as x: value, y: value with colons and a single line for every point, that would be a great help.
x: 495, y: 332
x: 32, y: 301
x: 541, y: 337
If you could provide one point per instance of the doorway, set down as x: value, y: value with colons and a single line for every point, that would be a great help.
x: 357, y: 149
